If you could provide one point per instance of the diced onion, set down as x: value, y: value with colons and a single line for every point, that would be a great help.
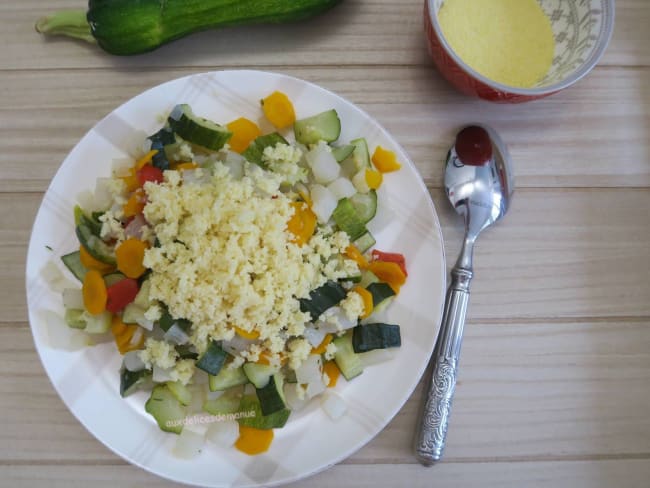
x: 323, y: 202
x: 360, y: 183
x: 144, y: 322
x: 235, y: 164
x: 198, y: 398
x: 176, y: 335
x: 224, y: 433
x: 314, y: 335
x: 197, y: 175
x: 132, y: 361
x: 189, y: 443
x: 102, y: 198
x: 310, y: 370
x: 236, y: 345
x: 73, y: 298
x: 161, y: 375
x: 134, y: 228
x: 323, y: 164
x: 316, y: 387
x: 86, y: 200
x: 342, y: 188
x: 333, y: 405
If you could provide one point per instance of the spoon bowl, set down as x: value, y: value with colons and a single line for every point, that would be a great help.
x: 479, y: 185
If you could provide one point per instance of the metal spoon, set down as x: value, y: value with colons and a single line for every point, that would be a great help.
x: 479, y: 184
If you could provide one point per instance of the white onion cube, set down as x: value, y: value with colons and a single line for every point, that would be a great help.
x: 333, y: 405
x: 323, y: 202
x: 342, y: 188
x: 224, y: 433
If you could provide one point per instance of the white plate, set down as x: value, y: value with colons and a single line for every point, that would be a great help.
x: 87, y: 380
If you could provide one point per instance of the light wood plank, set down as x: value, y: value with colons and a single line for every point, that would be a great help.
x: 575, y: 474
x: 526, y: 391
x: 579, y: 138
x: 577, y: 253
x: 361, y: 33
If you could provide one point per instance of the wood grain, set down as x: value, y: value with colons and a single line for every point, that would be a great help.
x: 554, y: 383
x: 578, y: 138
x: 370, y: 32
x: 527, y: 391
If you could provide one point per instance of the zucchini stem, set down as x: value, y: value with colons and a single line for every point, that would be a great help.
x: 69, y: 23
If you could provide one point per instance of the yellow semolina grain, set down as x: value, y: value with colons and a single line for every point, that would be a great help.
x: 508, y: 41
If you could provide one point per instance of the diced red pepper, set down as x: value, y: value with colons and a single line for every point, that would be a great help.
x: 390, y: 257
x: 150, y: 173
x: 120, y: 294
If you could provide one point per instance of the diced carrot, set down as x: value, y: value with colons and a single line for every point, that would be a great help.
x: 251, y: 335
x: 367, y: 300
x: 244, y: 131
x: 322, y: 347
x: 94, y: 292
x: 353, y: 253
x: 373, y: 179
x: 390, y: 273
x: 146, y: 159
x: 135, y: 204
x: 333, y: 372
x: 185, y: 165
x: 390, y: 257
x: 125, y: 334
x: 385, y: 160
x: 90, y: 262
x: 253, y: 441
x: 278, y: 109
x: 130, y: 257
x: 263, y: 359
x: 302, y: 223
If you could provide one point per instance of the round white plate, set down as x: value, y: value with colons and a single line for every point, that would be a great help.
x: 87, y: 380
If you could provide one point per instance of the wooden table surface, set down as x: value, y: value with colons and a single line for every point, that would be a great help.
x: 554, y: 387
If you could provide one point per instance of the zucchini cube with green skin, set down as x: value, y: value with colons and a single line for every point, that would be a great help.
x: 325, y: 126
x: 347, y: 360
x: 212, y: 359
x: 271, y: 396
x: 166, y: 409
x: 131, y: 381
x: 375, y: 336
x: 250, y: 405
x: 197, y: 130
x: 255, y: 150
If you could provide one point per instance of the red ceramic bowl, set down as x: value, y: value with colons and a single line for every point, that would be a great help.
x: 582, y: 31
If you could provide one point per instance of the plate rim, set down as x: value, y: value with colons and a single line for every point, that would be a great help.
x: 442, y: 279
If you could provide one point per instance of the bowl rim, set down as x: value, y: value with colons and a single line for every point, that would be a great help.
x: 607, y: 30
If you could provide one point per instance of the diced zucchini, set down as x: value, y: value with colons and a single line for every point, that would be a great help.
x: 227, y: 378
x: 93, y: 244
x: 341, y: 153
x: 75, y: 318
x: 346, y: 218
x: 345, y: 358
x: 98, y: 324
x: 365, y: 205
x: 271, y: 396
x: 131, y: 381
x: 255, y: 150
x: 227, y: 403
x: 186, y: 351
x: 361, y: 154
x: 383, y: 305
x: 212, y: 359
x: 132, y: 314
x: 166, y: 409
x: 375, y: 336
x: 197, y: 130
x: 166, y: 321
x: 142, y: 298
x: 159, y: 140
x: 80, y: 216
x: 325, y: 126
x: 251, y: 405
x: 112, y: 278
x: 379, y: 292
x: 259, y: 374
x: 365, y: 242
x: 72, y: 261
x: 322, y: 298
x: 180, y: 391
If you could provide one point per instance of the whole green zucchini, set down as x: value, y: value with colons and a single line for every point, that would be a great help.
x: 127, y: 27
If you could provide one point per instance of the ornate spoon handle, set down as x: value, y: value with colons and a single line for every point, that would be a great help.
x: 439, y: 390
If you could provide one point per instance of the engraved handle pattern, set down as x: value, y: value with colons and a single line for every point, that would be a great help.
x: 432, y: 431
x: 437, y: 407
